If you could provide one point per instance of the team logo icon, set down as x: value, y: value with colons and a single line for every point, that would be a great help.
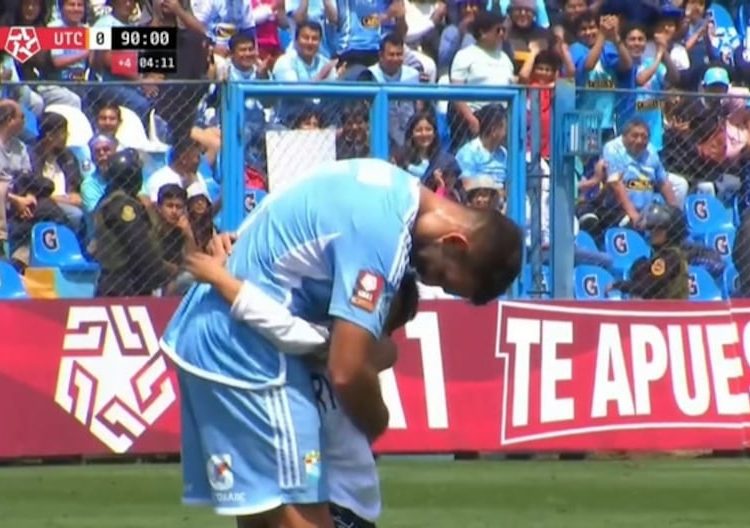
x: 22, y: 43
x: 620, y: 243
x: 220, y: 475
x: 113, y: 377
x: 721, y: 244
x: 312, y: 464
x: 591, y: 285
x: 700, y: 208
x: 49, y: 239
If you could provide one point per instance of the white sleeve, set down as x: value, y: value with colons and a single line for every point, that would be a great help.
x: 291, y: 334
x: 417, y: 23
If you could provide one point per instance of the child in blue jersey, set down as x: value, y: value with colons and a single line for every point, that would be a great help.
x: 249, y: 410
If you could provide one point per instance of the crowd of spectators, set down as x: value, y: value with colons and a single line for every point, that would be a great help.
x: 659, y: 144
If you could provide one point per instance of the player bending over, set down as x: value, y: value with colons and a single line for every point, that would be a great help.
x: 352, y: 473
x: 331, y: 249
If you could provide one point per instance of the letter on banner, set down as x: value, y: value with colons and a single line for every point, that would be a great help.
x: 609, y: 356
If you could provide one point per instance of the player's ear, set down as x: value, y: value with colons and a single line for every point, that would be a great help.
x: 455, y: 241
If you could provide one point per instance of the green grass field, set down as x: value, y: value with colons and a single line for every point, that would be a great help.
x: 650, y: 493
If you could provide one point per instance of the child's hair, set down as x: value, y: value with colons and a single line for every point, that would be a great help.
x: 171, y: 191
x: 586, y: 18
x: 355, y: 110
x: 548, y: 58
x: 305, y: 113
x: 489, y: 117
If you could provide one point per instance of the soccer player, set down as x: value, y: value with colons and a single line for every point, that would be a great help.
x: 352, y: 474
x: 332, y: 249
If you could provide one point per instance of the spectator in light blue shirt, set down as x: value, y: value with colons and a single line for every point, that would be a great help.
x: 321, y: 11
x: 246, y: 66
x: 303, y: 63
x: 70, y: 65
x: 391, y: 69
x: 485, y: 155
x: 223, y: 19
x: 102, y: 146
x: 635, y: 176
x: 602, y: 64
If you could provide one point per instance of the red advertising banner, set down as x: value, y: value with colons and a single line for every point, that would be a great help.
x: 88, y: 378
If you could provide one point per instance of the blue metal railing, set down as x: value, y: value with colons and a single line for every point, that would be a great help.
x: 234, y: 95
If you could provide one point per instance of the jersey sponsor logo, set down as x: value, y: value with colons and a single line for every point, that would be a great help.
x: 367, y: 290
x: 220, y: 475
x: 119, y: 384
x: 370, y: 21
x: 693, y: 284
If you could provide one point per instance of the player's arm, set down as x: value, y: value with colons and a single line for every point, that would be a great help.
x: 255, y: 308
x: 355, y: 378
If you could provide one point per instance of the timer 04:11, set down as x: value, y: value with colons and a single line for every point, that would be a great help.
x: 157, y: 62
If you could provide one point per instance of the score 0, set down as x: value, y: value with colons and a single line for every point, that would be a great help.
x: 100, y: 38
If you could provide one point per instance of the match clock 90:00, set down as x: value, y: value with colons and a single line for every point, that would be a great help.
x: 157, y: 62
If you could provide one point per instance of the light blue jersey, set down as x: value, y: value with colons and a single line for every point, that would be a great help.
x: 334, y: 245
x: 359, y: 26
x: 319, y: 248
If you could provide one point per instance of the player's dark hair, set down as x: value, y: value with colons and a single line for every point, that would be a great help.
x: 171, y: 191
x: 485, y: 21
x: 51, y: 123
x: 496, y: 254
x: 309, y: 24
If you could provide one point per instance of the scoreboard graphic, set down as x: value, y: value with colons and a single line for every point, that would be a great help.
x: 134, y: 49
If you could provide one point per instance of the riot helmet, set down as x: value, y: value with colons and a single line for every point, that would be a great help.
x: 125, y: 171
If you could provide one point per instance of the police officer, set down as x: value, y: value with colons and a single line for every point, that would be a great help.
x: 665, y: 274
x: 125, y: 244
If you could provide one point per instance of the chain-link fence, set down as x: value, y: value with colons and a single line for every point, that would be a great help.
x: 658, y: 210
x: 107, y: 184
x: 460, y: 149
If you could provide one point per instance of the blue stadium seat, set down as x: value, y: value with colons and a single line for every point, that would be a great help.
x: 626, y: 246
x: 721, y: 241
x: 730, y: 281
x: 11, y: 284
x: 706, y: 213
x: 56, y: 246
x: 585, y: 241
x: 591, y: 283
x: 702, y: 285
x: 528, y: 283
x: 252, y: 198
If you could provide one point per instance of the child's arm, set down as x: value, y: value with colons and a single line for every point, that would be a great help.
x: 255, y: 308
x: 524, y: 75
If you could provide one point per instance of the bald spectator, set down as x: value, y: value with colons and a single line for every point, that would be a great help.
x: 14, y: 160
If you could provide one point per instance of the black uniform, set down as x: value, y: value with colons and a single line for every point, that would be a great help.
x: 126, y: 244
x: 665, y: 274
